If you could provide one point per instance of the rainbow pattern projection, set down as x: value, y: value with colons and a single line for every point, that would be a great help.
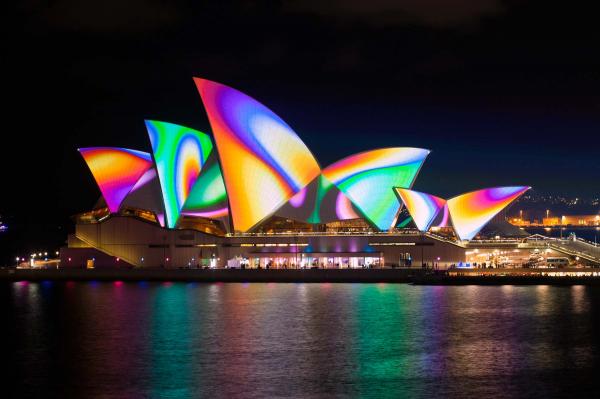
x: 318, y: 202
x: 208, y: 198
x: 179, y: 153
x: 423, y: 208
x: 116, y: 171
x: 264, y: 161
x: 471, y: 211
x: 444, y: 220
x: 368, y: 180
x: 344, y: 209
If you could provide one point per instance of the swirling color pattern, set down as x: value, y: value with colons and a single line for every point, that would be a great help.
x: 319, y: 202
x: 116, y: 171
x: 471, y: 211
x: 422, y: 207
x: 179, y: 153
x: 264, y: 162
x: 444, y: 219
x: 208, y: 197
x: 368, y: 180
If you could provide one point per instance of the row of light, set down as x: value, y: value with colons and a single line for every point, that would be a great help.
x: 274, y: 245
x: 33, y: 255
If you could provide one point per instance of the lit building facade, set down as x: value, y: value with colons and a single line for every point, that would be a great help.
x: 572, y: 220
x: 251, y: 194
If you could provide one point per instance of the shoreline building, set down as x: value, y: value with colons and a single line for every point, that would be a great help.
x: 251, y: 194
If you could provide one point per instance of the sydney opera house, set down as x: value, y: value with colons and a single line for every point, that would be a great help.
x: 249, y: 193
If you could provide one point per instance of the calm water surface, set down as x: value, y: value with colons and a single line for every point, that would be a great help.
x: 138, y: 340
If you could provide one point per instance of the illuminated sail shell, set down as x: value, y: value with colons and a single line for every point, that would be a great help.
x: 423, y: 208
x: 264, y: 162
x: 147, y: 195
x: 116, y: 171
x: 443, y: 218
x: 368, y: 180
x: 208, y: 198
x: 319, y: 202
x: 179, y: 153
x: 471, y: 211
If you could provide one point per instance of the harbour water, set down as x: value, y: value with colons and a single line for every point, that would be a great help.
x: 179, y: 340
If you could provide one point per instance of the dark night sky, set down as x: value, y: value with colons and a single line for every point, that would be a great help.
x: 502, y: 92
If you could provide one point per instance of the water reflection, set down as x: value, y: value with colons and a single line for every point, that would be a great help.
x: 299, y: 340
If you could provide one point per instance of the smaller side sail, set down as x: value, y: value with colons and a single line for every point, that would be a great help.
x: 470, y: 212
x: 423, y: 207
x: 116, y: 171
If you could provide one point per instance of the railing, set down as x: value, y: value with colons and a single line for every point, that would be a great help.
x: 496, y: 241
x: 328, y: 233
x: 594, y: 244
x: 574, y: 252
x: 444, y: 239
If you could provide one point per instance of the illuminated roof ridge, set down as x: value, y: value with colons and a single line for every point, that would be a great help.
x: 116, y: 171
x: 263, y: 161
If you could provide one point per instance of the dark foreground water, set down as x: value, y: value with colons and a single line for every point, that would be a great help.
x: 130, y: 340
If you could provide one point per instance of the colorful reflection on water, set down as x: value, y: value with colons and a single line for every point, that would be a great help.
x: 179, y: 340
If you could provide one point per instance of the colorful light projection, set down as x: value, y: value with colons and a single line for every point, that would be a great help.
x: 423, y: 208
x: 344, y: 209
x: 319, y: 202
x: 443, y: 219
x: 116, y: 171
x: 263, y: 160
x: 368, y: 180
x: 147, y: 195
x: 208, y: 198
x: 179, y: 153
x: 471, y: 211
